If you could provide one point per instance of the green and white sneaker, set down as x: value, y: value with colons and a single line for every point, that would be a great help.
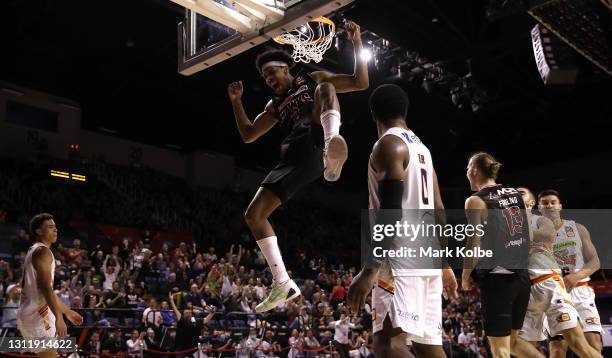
x: 279, y: 294
x: 336, y: 153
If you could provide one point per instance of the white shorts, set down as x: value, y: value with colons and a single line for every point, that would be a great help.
x: 37, y: 332
x: 548, y: 301
x: 584, y: 301
x: 414, y: 304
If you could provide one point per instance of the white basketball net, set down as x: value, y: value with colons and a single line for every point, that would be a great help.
x: 309, y: 41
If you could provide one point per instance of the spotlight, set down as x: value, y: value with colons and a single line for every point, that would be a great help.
x: 365, y: 54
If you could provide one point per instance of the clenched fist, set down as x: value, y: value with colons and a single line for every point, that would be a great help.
x: 235, y: 90
x: 353, y: 30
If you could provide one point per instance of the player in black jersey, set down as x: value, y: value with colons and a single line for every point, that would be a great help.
x: 504, y: 280
x: 307, y: 109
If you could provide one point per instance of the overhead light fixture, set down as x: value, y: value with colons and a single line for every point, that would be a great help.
x: 365, y: 54
x: 393, y: 63
x: 66, y: 175
x: 78, y: 177
x: 60, y: 174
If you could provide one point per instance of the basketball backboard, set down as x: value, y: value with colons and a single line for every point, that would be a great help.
x: 216, y: 30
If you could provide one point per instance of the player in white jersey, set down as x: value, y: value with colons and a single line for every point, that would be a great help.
x: 578, y: 259
x: 549, y: 301
x: 40, y: 310
x: 407, y: 302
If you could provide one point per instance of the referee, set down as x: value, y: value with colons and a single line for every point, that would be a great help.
x: 504, y: 280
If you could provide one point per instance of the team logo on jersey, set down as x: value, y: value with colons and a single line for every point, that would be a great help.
x: 592, y: 321
x: 569, y: 260
x: 518, y: 242
x: 289, y: 109
x: 411, y: 138
x: 408, y: 315
x: 569, y: 231
x: 564, y: 245
x: 564, y: 317
x: 506, y: 191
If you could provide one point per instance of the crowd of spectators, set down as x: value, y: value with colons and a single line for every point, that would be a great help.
x: 139, y: 197
x: 185, y: 294
x: 203, y: 297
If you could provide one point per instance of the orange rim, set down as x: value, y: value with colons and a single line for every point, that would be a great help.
x: 322, y: 19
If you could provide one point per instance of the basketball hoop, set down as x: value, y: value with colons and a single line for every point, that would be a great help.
x: 311, y: 40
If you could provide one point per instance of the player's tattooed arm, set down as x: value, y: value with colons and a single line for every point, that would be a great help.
x: 359, y: 80
x: 250, y: 131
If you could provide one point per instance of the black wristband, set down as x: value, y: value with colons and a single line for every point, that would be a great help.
x: 390, y: 194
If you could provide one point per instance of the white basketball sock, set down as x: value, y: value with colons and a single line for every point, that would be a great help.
x: 269, y: 248
x: 330, y: 121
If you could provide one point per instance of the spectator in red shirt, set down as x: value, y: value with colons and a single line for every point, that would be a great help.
x: 338, y: 293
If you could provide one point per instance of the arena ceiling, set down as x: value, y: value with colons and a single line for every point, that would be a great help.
x: 118, y: 60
